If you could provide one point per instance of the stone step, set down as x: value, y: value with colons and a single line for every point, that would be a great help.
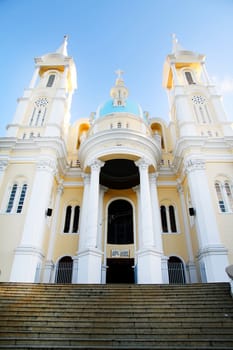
x: 38, y: 316
x: 116, y: 342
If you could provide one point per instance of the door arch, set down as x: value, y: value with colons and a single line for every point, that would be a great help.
x: 120, y: 233
x: 120, y: 222
x: 176, y: 271
x: 64, y: 270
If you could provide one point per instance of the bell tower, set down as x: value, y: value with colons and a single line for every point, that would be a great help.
x: 44, y: 108
x: 195, y: 105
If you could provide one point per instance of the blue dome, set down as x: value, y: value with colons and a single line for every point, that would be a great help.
x: 129, y: 107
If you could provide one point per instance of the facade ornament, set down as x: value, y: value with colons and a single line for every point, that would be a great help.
x: 3, y: 165
x: 96, y: 164
x: 142, y: 163
x: 47, y: 165
x: 194, y: 164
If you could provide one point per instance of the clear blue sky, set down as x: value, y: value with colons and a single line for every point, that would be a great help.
x: 104, y: 35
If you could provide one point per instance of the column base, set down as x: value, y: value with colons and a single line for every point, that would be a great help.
x: 192, y: 272
x: 89, y: 266
x: 213, y: 261
x: 26, y: 265
x: 149, y: 266
x: 48, y: 271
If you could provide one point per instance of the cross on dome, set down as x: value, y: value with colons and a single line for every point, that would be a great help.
x: 119, y: 73
x: 119, y: 79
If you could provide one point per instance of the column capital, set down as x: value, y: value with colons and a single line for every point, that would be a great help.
x: 180, y: 187
x: 96, y: 164
x: 48, y: 165
x: 86, y: 178
x: 194, y: 164
x: 142, y: 163
x: 60, y: 187
x: 153, y: 178
x: 3, y: 165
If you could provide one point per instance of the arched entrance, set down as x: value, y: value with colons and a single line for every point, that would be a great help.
x: 120, y: 233
x: 176, y: 271
x: 64, y: 270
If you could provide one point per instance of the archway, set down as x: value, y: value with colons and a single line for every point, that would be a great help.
x: 120, y: 233
x: 120, y: 222
x: 176, y: 271
x: 64, y: 270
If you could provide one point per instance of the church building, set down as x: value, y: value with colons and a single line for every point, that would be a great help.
x: 121, y: 196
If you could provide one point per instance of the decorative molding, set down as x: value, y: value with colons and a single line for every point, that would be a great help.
x: 47, y: 165
x: 194, y: 164
x: 3, y: 165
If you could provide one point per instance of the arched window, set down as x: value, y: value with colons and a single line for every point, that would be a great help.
x: 21, y: 198
x: 224, y: 194
x: 176, y: 270
x: 164, y: 218
x: 120, y: 222
x: 50, y: 80
x: 71, y: 219
x: 172, y: 218
x: 67, y: 219
x: 39, y: 112
x: 201, y: 109
x: 64, y: 270
x: 16, y: 198
x: 189, y: 78
x: 168, y: 219
x: 11, y: 198
x: 76, y: 219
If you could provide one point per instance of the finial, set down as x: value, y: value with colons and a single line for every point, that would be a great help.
x: 63, y: 48
x: 175, y: 44
x: 119, y: 79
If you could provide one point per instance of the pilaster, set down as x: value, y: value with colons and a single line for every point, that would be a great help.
x: 28, y: 256
x: 212, y: 254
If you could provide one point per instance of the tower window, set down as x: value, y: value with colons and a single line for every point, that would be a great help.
x: 39, y: 112
x: 224, y: 193
x: 189, y: 78
x: 50, y: 80
x: 21, y: 198
x: 11, y: 198
x: 16, y: 198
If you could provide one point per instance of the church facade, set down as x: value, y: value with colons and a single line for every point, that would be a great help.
x: 119, y: 197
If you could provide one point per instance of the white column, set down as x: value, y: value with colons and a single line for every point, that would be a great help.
x: 138, y: 242
x: 174, y: 72
x: 101, y: 219
x: 49, y: 264
x: 147, y: 236
x: 3, y: 166
x: 84, y: 212
x: 212, y: 254
x: 156, y: 212
x: 148, y: 257
x: 191, y: 264
x: 28, y: 256
x: 34, y: 78
x: 90, y: 257
x: 93, y: 207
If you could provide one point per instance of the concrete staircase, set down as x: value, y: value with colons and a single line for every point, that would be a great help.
x: 52, y: 316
